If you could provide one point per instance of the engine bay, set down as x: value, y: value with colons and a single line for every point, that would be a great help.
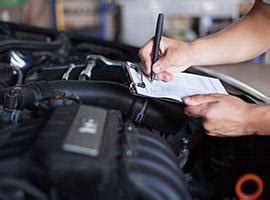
x: 71, y: 129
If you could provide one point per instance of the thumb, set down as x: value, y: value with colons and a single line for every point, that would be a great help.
x: 196, y: 100
x: 161, y: 64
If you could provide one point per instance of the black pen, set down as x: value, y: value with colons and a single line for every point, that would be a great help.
x: 157, y: 38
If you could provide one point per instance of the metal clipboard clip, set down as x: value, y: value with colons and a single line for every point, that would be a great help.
x: 141, y: 84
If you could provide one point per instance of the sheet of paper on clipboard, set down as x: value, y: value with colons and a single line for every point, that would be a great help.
x: 183, y: 84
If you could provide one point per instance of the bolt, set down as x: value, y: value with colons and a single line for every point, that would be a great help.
x: 184, y: 141
x: 129, y: 152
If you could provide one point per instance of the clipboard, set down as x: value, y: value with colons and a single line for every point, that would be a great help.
x: 183, y: 84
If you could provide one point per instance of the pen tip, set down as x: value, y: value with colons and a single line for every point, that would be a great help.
x: 152, y: 77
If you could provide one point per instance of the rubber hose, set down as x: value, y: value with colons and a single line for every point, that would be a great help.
x: 29, y: 45
x: 163, y: 116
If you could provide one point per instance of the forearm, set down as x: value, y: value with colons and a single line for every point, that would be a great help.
x: 259, y: 120
x: 243, y: 40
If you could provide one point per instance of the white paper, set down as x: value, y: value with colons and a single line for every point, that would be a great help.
x: 183, y: 84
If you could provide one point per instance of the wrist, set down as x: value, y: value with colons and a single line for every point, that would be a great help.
x: 195, y: 58
x: 251, y: 118
x: 259, y: 119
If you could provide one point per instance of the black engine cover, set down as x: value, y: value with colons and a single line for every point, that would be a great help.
x: 89, y: 152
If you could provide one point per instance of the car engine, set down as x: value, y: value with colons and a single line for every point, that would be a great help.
x: 71, y: 129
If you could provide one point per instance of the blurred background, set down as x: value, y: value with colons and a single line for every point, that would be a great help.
x: 127, y: 21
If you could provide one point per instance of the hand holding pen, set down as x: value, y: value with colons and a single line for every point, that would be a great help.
x: 171, y: 56
x: 150, y: 53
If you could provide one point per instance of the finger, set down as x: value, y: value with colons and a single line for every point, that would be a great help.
x: 164, y: 76
x: 211, y: 134
x: 146, y: 62
x: 208, y: 127
x: 164, y: 62
x: 145, y: 56
x: 195, y: 111
x: 146, y: 65
x: 195, y: 100
x: 167, y: 77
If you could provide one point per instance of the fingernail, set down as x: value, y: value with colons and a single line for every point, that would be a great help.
x: 166, y: 79
x: 156, y: 68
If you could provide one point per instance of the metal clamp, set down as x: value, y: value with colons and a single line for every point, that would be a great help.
x: 105, y: 60
x: 67, y: 73
x: 87, y: 72
x: 139, y: 117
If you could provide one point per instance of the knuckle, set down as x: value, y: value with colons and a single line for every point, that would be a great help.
x: 189, y: 111
x: 210, y: 113
x: 162, y: 67
x: 141, y: 53
x: 207, y: 114
x: 158, y: 76
x: 163, y: 75
x: 206, y: 127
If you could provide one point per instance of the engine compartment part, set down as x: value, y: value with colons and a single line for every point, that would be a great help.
x: 71, y: 129
x: 85, y: 151
x: 110, y: 95
x: 253, y: 178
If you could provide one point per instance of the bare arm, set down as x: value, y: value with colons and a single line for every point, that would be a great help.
x: 225, y: 115
x: 259, y: 119
x: 222, y: 115
x: 243, y: 40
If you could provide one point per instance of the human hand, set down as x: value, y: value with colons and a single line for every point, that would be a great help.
x: 174, y: 56
x: 222, y: 115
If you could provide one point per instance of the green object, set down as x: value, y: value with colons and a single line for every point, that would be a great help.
x: 6, y: 3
